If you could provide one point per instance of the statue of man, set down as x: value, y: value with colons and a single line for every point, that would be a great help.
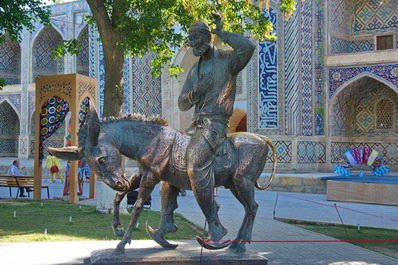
x: 210, y: 87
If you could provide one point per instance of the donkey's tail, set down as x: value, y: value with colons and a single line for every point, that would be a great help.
x: 275, y: 161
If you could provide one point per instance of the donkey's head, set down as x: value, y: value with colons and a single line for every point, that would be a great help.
x: 101, y: 154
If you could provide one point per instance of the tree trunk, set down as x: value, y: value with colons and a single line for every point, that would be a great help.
x: 113, y: 55
x: 113, y: 90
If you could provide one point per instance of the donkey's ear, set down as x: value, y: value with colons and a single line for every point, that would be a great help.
x: 70, y: 153
x: 93, y: 127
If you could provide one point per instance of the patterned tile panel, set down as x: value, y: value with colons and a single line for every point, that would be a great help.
x: 319, y: 71
x: 340, y: 121
x: 361, y: 46
x: 79, y: 22
x: 10, y: 62
x: 83, y: 58
x: 311, y: 152
x: 339, y: 76
x: 339, y: 46
x: 283, y: 151
x: 101, y: 77
x: 9, y: 147
x: 146, y: 90
x: 268, y: 80
x: 339, y: 11
x: 291, y: 64
x: 374, y: 15
x: 15, y: 99
x: 307, y: 68
x: 42, y: 55
x: 126, y: 107
x: 59, y: 22
x: 9, y: 121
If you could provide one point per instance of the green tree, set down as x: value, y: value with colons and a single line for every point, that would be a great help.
x: 17, y: 14
x: 136, y: 27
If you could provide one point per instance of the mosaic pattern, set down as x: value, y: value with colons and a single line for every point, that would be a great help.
x: 311, y: 152
x: 126, y: 107
x: 387, y: 150
x: 83, y: 58
x: 53, y: 141
x: 319, y: 72
x: 9, y: 129
x: 10, y: 62
x: 268, y: 80
x: 9, y: 121
x: 79, y: 22
x: 370, y: 16
x: 43, y: 63
x: 339, y: 11
x: 146, y: 90
x: 292, y: 102
x: 9, y: 147
x: 101, y: 78
x: 60, y: 23
x: 15, y: 100
x: 354, y: 113
x: 339, y: 76
x: 340, y: 121
x: 361, y: 46
x: 366, y: 113
x: 23, y: 146
x: 92, y: 51
x: 283, y: 151
x: 306, y: 68
x: 340, y: 46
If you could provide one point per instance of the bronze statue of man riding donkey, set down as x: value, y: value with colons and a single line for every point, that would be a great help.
x: 199, y: 159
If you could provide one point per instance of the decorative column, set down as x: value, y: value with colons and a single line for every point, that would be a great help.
x: 26, y: 71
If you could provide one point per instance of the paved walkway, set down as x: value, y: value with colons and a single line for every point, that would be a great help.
x: 287, y: 205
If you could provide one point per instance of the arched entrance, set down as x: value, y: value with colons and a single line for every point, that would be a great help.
x: 364, y: 112
x: 43, y: 63
x: 10, y: 63
x: 9, y: 130
x: 83, y: 60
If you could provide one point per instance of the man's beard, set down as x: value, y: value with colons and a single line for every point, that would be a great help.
x: 199, y: 50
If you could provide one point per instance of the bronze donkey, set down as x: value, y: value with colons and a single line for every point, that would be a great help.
x: 160, y: 152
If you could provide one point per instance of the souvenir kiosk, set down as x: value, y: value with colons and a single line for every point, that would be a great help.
x: 55, y: 97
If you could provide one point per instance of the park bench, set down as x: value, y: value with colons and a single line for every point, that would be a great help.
x: 20, y: 182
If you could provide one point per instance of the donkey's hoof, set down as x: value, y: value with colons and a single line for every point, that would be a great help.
x: 238, y: 247
x: 212, y: 244
x: 158, y: 237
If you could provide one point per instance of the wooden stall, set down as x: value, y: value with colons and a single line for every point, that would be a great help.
x: 74, y: 89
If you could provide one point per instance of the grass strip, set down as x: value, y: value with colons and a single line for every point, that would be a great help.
x: 33, y: 221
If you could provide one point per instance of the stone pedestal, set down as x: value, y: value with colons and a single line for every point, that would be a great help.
x: 187, y: 253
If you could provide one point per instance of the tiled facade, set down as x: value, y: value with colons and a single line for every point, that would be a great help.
x: 313, y: 109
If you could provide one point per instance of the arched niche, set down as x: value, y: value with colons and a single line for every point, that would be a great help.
x: 356, y: 110
x: 10, y: 61
x: 43, y: 63
x: 83, y: 59
x: 9, y: 130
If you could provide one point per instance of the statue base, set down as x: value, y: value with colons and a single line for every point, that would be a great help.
x: 187, y: 253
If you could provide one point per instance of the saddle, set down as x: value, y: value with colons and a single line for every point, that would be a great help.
x: 223, y: 159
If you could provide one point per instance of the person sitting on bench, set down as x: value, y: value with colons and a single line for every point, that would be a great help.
x: 14, y: 171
